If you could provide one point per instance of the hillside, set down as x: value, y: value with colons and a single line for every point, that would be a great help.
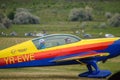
x: 58, y: 10
x: 53, y: 16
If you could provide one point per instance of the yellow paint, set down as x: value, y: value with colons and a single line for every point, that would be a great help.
x: 28, y: 47
x: 81, y: 62
x: 83, y: 42
x: 19, y: 49
x: 81, y: 57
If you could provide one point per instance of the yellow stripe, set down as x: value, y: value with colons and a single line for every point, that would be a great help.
x: 81, y: 57
x: 19, y: 49
x: 28, y: 47
x: 81, y: 62
x: 83, y: 42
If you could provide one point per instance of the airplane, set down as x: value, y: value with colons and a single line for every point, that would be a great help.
x: 62, y: 49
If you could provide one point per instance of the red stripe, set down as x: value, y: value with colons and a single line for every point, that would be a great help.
x: 71, y: 50
x: 54, y: 53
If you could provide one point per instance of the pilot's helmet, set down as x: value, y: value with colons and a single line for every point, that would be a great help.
x: 41, y: 41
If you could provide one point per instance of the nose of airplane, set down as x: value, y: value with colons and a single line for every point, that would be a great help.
x: 114, y: 49
x: 119, y: 45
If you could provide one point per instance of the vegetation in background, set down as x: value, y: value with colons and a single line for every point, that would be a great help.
x: 108, y: 15
x: 115, y: 20
x: 58, y: 10
x: 4, y: 22
x: 81, y: 14
x: 54, y: 16
x: 23, y: 16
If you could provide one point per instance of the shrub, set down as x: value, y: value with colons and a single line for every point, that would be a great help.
x: 3, y: 6
x: 115, y: 20
x: 88, y: 12
x: 11, y: 15
x: 4, y: 22
x: 34, y: 19
x: 7, y: 23
x: 23, y: 16
x: 81, y: 14
x: 1, y: 17
x: 2, y: 26
x: 74, y: 14
x: 108, y: 15
x: 18, y: 10
x: 83, y: 25
x: 102, y: 25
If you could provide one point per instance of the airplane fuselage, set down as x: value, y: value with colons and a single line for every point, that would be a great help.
x: 27, y: 55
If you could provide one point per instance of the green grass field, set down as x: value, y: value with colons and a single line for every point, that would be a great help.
x: 64, y: 27
x: 68, y: 72
x: 53, y: 16
x: 58, y: 10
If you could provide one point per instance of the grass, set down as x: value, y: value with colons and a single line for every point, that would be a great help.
x: 68, y: 72
x: 54, y: 19
x: 54, y: 16
x: 63, y: 27
x: 55, y: 73
x: 52, y: 10
x: 7, y: 42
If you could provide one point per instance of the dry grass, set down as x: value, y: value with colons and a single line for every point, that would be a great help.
x: 7, y: 42
x: 43, y: 73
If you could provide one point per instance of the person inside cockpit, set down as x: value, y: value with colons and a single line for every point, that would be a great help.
x: 42, y: 44
x: 67, y: 40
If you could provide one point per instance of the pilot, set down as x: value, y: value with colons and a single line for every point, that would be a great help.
x: 42, y: 44
x: 67, y: 40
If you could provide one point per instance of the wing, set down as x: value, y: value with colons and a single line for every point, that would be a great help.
x: 79, y: 56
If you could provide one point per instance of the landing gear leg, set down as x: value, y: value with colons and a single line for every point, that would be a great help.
x: 96, y: 73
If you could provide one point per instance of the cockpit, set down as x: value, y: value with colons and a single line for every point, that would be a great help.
x: 55, y: 40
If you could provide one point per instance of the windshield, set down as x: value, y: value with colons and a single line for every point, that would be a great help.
x: 54, y: 40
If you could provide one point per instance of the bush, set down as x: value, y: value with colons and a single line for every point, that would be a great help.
x: 88, y: 12
x: 7, y: 23
x: 2, y: 26
x: 102, y: 25
x: 81, y: 14
x: 115, y: 20
x: 18, y: 10
x: 1, y: 17
x: 108, y: 15
x: 83, y: 25
x: 23, y: 16
x: 11, y: 15
x: 3, y: 6
x: 4, y: 22
x: 74, y: 14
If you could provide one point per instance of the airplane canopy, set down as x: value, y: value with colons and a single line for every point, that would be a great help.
x: 56, y: 40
